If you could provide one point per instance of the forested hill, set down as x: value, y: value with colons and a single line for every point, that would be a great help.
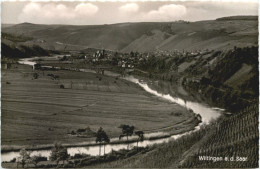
x: 223, y: 33
x: 227, y: 79
x: 16, y: 46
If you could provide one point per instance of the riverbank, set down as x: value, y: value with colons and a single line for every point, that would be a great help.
x: 157, y: 135
x: 84, y: 160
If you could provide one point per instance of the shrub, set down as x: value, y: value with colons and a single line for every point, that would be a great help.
x: 176, y: 113
x: 36, y: 159
x: 13, y: 160
x: 81, y: 130
x: 78, y: 156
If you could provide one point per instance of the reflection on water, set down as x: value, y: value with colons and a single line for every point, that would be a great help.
x: 205, y: 111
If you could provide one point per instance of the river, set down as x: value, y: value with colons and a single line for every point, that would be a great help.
x: 207, y: 113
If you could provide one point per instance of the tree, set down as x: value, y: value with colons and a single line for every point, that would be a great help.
x: 101, y: 136
x: 140, y: 135
x: 59, y: 153
x: 126, y: 131
x: 106, y: 139
x: 23, y: 158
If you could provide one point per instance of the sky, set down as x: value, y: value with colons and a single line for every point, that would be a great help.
x: 96, y: 13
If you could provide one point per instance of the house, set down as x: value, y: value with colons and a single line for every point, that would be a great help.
x: 95, y: 57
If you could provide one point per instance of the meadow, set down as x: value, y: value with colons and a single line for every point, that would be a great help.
x: 38, y: 111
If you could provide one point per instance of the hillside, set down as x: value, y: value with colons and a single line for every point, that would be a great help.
x: 222, y: 33
x: 19, y: 46
x: 224, y: 78
x: 232, y: 137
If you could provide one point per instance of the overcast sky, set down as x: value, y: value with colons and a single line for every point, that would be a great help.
x: 92, y: 13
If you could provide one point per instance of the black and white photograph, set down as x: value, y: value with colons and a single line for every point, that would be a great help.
x: 129, y: 84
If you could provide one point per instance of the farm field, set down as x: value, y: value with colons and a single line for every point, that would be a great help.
x: 38, y: 112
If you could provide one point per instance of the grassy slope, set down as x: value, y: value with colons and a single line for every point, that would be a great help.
x: 31, y: 109
x: 91, y: 36
x: 215, y: 34
x: 242, y: 75
x: 202, y: 35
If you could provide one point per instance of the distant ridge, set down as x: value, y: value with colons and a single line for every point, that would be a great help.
x: 144, y: 36
x: 249, y: 17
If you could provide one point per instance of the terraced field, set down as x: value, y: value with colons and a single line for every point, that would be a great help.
x: 38, y: 112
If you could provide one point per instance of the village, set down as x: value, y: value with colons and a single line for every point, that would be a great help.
x: 126, y: 61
